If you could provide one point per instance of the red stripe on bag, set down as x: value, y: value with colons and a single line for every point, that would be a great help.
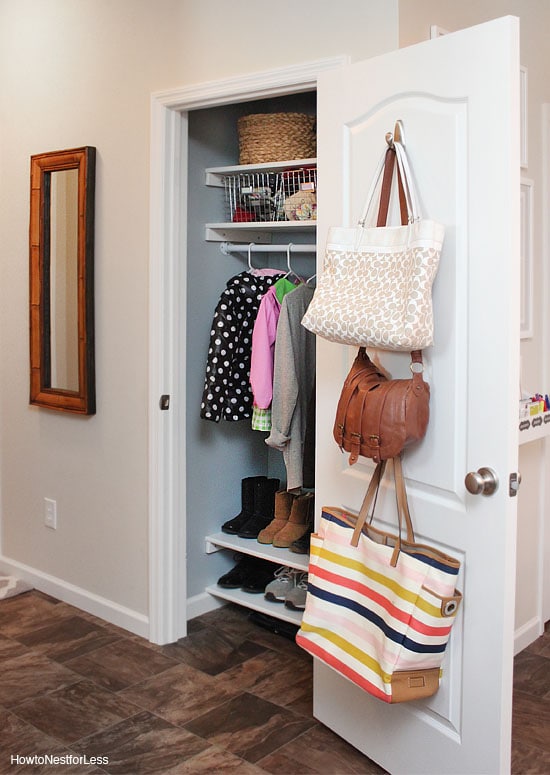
x: 341, y: 667
x: 397, y: 613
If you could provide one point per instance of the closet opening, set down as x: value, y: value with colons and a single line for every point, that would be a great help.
x: 221, y: 454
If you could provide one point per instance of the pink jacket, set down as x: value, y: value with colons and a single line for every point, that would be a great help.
x: 263, y: 342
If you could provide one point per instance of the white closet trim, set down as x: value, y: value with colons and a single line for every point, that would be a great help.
x: 167, y: 278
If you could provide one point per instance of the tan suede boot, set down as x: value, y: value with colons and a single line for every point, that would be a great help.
x: 283, y: 506
x: 298, y: 521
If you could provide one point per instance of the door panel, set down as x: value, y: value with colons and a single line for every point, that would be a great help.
x: 450, y: 96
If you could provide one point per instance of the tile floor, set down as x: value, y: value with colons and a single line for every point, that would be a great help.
x: 230, y: 698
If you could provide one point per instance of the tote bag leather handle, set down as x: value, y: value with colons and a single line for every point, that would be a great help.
x: 406, y: 182
x: 403, y: 513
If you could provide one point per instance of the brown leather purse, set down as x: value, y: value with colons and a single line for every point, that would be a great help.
x: 378, y: 417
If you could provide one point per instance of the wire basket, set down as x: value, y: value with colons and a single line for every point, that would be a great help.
x: 271, y: 196
x: 267, y: 137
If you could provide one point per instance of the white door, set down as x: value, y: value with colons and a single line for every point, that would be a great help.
x: 458, y: 99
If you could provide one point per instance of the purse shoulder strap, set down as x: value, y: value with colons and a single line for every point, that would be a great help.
x: 403, y: 513
x: 396, y: 151
x: 389, y: 165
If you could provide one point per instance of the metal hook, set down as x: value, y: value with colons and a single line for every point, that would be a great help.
x: 250, y: 246
x: 397, y: 135
x: 288, y: 249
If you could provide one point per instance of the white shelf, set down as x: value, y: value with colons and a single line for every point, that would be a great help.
x: 258, y: 231
x: 214, y: 175
x: 251, y: 547
x: 534, y: 428
x: 256, y: 603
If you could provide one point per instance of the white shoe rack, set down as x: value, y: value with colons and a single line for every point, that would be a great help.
x: 251, y: 547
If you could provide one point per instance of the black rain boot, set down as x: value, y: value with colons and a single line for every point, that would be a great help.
x: 264, y: 508
x: 248, y: 491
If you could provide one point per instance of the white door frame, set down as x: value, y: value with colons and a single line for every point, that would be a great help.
x: 544, y: 537
x: 167, y: 283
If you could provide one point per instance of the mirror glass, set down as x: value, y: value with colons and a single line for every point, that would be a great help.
x: 63, y: 338
x: 61, y: 267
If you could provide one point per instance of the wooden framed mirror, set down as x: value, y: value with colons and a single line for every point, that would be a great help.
x: 62, y: 360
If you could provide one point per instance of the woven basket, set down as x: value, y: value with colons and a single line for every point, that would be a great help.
x: 267, y: 137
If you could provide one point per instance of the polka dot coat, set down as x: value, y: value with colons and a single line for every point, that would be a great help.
x: 227, y: 392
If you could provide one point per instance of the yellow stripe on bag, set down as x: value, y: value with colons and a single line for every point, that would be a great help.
x: 405, y: 594
x: 348, y: 648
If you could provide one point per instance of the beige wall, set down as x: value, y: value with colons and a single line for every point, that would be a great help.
x: 415, y: 18
x: 81, y: 73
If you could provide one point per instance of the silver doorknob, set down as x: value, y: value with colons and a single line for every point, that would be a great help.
x: 481, y: 482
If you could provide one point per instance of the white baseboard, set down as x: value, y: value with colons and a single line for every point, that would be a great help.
x: 202, y: 604
x: 527, y: 634
x: 81, y: 598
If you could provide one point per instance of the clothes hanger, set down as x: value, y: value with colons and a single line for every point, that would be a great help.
x: 290, y: 269
x: 250, y: 267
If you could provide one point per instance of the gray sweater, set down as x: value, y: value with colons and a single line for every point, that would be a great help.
x: 293, y: 384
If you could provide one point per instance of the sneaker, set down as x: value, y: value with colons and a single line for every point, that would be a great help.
x: 296, y: 598
x: 284, y: 581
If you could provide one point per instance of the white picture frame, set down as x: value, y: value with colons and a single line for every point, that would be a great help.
x: 526, y: 258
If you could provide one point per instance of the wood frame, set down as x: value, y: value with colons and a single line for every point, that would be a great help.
x: 82, y: 400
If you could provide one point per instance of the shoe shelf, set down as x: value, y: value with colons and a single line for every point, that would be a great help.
x: 251, y: 547
x: 217, y: 541
x: 256, y: 602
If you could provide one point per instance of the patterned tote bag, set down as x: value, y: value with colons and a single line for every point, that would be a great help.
x: 376, y: 285
x: 379, y: 607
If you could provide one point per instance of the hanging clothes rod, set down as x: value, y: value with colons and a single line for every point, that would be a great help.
x: 230, y: 247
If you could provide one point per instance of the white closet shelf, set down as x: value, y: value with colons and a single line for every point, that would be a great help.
x: 258, y: 231
x: 256, y: 603
x: 250, y: 546
x: 534, y: 428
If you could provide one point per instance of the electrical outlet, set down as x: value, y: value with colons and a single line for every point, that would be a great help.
x: 50, y: 513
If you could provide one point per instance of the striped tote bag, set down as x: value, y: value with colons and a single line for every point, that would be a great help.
x: 379, y: 607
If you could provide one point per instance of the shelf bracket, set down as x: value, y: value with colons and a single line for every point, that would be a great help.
x: 211, y: 548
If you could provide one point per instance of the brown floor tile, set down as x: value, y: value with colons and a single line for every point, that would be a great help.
x: 231, y: 619
x: 20, y: 738
x: 212, y: 651
x: 67, y: 638
x: 249, y: 726
x: 217, y: 761
x: 143, y: 744
x: 532, y: 674
x: 26, y: 612
x: 541, y: 646
x: 30, y: 675
x: 11, y: 648
x: 75, y: 711
x: 20, y: 742
x: 274, y: 676
x: 529, y: 760
x: 531, y: 721
x: 180, y: 694
x: 318, y: 751
x: 120, y: 664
